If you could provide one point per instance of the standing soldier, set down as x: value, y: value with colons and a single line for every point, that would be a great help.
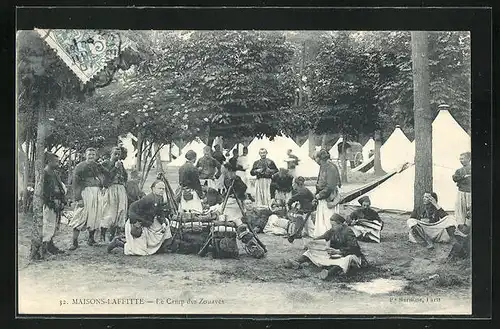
x: 88, y: 184
x: 462, y: 178
x: 209, y: 168
x: 242, y: 163
x: 221, y: 159
x: 115, y: 198
x: 327, y: 190
x: 263, y: 169
x: 53, y: 203
x: 190, y: 187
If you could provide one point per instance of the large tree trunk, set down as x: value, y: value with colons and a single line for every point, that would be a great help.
x: 377, y: 163
x: 343, y: 159
x: 138, y: 163
x: 26, y: 169
x: 423, y: 117
x: 36, y: 230
x: 30, y: 174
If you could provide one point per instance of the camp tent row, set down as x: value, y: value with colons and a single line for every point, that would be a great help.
x: 277, y: 151
x: 449, y: 140
x: 128, y: 141
x: 369, y: 146
x: 334, y: 151
x: 196, y: 145
x: 305, y: 147
x: 393, y: 153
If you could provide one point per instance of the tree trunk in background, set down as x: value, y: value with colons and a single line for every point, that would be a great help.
x: 30, y: 172
x: 220, y: 141
x: 26, y: 171
x: 377, y: 164
x: 312, y: 143
x: 159, y: 164
x: 423, y: 117
x: 323, y: 141
x: 138, y: 163
x: 181, y: 143
x: 36, y: 229
x: 343, y: 159
x: 170, y: 145
x: 26, y: 166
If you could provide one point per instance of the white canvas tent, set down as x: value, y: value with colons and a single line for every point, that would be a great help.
x: 240, y: 149
x: 218, y: 141
x: 334, y: 151
x: 196, y: 145
x: 305, y: 147
x: 126, y: 141
x: 169, y: 150
x: 370, y: 145
x: 396, y: 151
x: 448, y: 142
x: 277, y: 151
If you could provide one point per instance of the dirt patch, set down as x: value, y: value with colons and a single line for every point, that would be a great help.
x: 298, y: 296
x: 379, y: 286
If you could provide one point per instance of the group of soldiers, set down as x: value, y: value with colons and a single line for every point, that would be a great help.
x: 139, y: 224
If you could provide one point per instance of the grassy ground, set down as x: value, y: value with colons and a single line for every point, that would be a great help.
x: 434, y: 285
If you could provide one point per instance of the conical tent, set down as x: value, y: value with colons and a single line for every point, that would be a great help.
x: 240, y: 149
x: 196, y: 145
x: 277, y: 151
x: 218, y: 141
x: 395, y: 150
x: 130, y: 160
x: 370, y: 145
x: 334, y: 151
x: 448, y: 142
x: 305, y: 147
x: 169, y: 150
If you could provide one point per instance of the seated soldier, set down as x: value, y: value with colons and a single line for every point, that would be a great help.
x: 212, y: 198
x: 433, y: 224
x: 147, y: 227
x: 281, y: 186
x: 297, y: 218
x: 341, y: 253
x: 302, y: 197
x: 365, y: 222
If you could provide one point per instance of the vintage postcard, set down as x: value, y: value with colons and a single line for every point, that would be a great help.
x: 283, y: 172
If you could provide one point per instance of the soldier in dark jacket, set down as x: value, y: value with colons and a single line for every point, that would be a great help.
x: 54, y: 199
x: 462, y: 177
x: 148, y: 216
x: 341, y: 254
x: 263, y: 169
x: 89, y: 178
x: 189, y: 181
x: 115, y: 198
